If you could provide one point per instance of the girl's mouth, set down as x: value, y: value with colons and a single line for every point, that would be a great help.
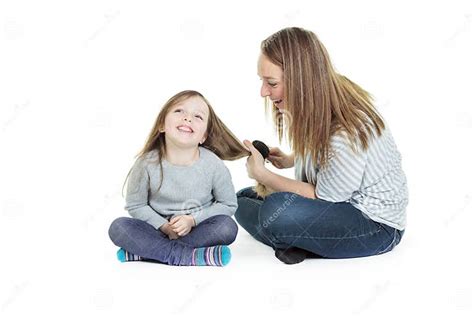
x: 185, y: 129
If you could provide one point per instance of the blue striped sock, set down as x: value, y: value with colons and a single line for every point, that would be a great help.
x: 124, y: 256
x: 211, y: 256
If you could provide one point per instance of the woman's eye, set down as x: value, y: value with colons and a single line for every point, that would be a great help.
x: 273, y: 85
x: 199, y: 117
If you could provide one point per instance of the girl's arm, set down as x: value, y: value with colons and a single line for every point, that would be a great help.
x: 224, y: 195
x: 137, y: 196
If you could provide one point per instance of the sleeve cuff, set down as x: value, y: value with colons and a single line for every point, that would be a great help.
x: 158, y: 222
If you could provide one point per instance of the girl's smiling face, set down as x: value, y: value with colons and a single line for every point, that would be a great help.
x: 186, y: 122
x: 272, y: 81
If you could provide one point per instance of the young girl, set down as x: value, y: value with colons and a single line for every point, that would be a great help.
x: 180, y: 194
x: 349, y: 195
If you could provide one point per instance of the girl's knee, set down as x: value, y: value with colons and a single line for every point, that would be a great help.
x: 227, y: 229
x: 118, y: 227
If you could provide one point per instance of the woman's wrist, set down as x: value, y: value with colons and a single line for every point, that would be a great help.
x: 292, y: 160
x: 263, y: 177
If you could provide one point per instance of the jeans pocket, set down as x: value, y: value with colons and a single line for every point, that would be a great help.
x: 399, y: 236
x: 393, y: 236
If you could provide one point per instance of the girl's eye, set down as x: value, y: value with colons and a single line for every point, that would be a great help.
x: 178, y: 110
x: 273, y: 85
x: 199, y: 117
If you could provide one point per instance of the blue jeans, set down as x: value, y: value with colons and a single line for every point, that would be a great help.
x: 140, y: 238
x: 326, y: 229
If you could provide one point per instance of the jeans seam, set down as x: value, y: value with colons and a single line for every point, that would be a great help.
x: 250, y: 199
x: 311, y: 237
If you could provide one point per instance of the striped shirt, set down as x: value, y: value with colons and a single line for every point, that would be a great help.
x: 372, y: 181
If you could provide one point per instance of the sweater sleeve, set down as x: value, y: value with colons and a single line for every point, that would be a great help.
x: 137, y: 196
x: 225, y: 199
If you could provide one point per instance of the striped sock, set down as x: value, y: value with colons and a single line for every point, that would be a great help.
x: 211, y: 256
x: 124, y: 256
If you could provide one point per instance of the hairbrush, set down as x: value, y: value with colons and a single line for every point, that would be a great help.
x: 262, y: 148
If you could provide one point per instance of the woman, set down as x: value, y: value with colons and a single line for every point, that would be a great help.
x: 350, y: 195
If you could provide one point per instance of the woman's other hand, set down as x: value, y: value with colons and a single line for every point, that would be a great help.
x: 279, y: 159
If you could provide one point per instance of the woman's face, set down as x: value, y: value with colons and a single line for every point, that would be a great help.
x: 186, y: 122
x: 272, y: 81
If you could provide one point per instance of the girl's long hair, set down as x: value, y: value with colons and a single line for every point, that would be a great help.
x: 219, y: 140
x: 318, y: 101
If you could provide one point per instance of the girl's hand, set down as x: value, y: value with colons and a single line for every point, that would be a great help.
x: 255, y: 162
x: 182, y: 224
x: 279, y: 159
x: 166, y: 229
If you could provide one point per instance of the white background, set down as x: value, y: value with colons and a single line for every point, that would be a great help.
x: 82, y: 82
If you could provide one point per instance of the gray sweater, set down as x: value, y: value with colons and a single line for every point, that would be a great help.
x: 202, y: 190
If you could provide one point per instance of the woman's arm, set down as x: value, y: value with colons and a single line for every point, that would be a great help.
x: 256, y: 170
x: 278, y: 183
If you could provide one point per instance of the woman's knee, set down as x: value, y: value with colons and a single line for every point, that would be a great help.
x: 240, y: 212
x: 244, y: 192
x: 249, y: 192
x: 273, y: 212
x: 247, y: 208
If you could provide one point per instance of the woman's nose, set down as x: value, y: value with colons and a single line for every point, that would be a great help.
x: 264, y: 92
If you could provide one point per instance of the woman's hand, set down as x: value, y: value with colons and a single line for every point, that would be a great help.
x: 279, y: 159
x: 255, y: 162
x: 167, y: 230
x: 182, y: 224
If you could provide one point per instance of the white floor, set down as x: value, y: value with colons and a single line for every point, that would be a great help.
x: 427, y: 273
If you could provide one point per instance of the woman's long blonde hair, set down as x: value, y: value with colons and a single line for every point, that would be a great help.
x: 319, y: 101
x: 219, y: 140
